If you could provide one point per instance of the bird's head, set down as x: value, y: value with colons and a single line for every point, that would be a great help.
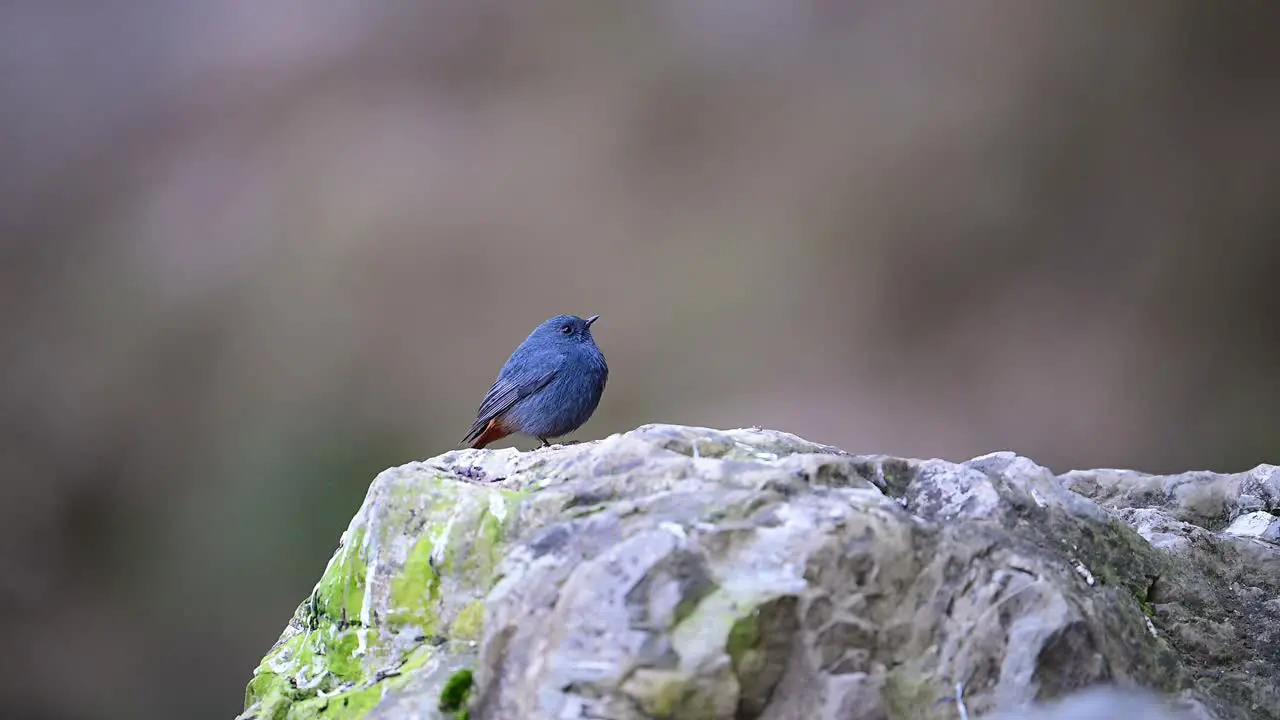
x: 566, y: 329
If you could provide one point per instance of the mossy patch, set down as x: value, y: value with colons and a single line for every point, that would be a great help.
x: 322, y: 654
x: 456, y: 690
x: 744, y: 636
x: 489, y: 540
x: 340, y: 656
x: 661, y: 693
x: 467, y: 548
x: 1114, y: 552
x: 339, y: 596
x: 274, y: 693
x: 486, y: 550
x: 415, y: 591
x: 513, y: 497
x: 907, y: 696
x: 724, y: 622
x: 350, y: 705
x: 684, y: 609
x: 309, y: 662
x: 451, y: 537
x: 469, y: 623
x: 279, y: 698
x: 1145, y: 604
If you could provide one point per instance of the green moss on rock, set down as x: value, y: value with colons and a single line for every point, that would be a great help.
x: 274, y: 695
x: 456, y: 690
x: 663, y: 692
x: 415, y: 591
x: 350, y: 705
x: 486, y: 550
x: 469, y: 623
x: 278, y: 697
x: 319, y: 652
x: 417, y: 561
x: 744, y: 636
x: 339, y: 595
x: 340, y: 657
x: 908, y: 696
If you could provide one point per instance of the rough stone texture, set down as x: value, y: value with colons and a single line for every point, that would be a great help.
x: 677, y: 572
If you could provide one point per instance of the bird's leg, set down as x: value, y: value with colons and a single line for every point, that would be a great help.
x: 543, y: 441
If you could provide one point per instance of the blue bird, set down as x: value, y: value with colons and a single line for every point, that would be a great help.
x: 549, y: 386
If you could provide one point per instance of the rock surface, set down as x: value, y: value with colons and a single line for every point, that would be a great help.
x: 678, y: 572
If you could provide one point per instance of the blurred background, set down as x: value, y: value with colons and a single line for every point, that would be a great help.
x: 253, y: 253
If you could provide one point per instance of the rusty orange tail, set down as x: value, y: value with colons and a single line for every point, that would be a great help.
x: 492, y: 432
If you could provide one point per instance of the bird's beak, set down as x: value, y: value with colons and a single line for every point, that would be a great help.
x: 592, y: 319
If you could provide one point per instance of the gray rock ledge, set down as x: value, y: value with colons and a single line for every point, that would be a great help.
x: 682, y: 572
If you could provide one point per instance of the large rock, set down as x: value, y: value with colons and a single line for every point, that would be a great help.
x: 677, y: 572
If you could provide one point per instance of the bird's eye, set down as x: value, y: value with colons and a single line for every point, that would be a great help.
x: 567, y: 329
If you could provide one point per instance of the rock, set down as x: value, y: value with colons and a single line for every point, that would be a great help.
x: 1110, y: 704
x: 677, y: 572
x: 1206, y: 499
x: 1260, y: 525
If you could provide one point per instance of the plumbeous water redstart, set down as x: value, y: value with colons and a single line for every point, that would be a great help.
x: 549, y: 386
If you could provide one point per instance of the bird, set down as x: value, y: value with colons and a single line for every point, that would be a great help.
x: 549, y: 387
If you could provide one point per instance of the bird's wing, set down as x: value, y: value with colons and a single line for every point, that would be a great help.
x: 504, y: 394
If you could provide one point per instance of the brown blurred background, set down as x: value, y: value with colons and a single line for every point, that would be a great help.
x: 253, y: 253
